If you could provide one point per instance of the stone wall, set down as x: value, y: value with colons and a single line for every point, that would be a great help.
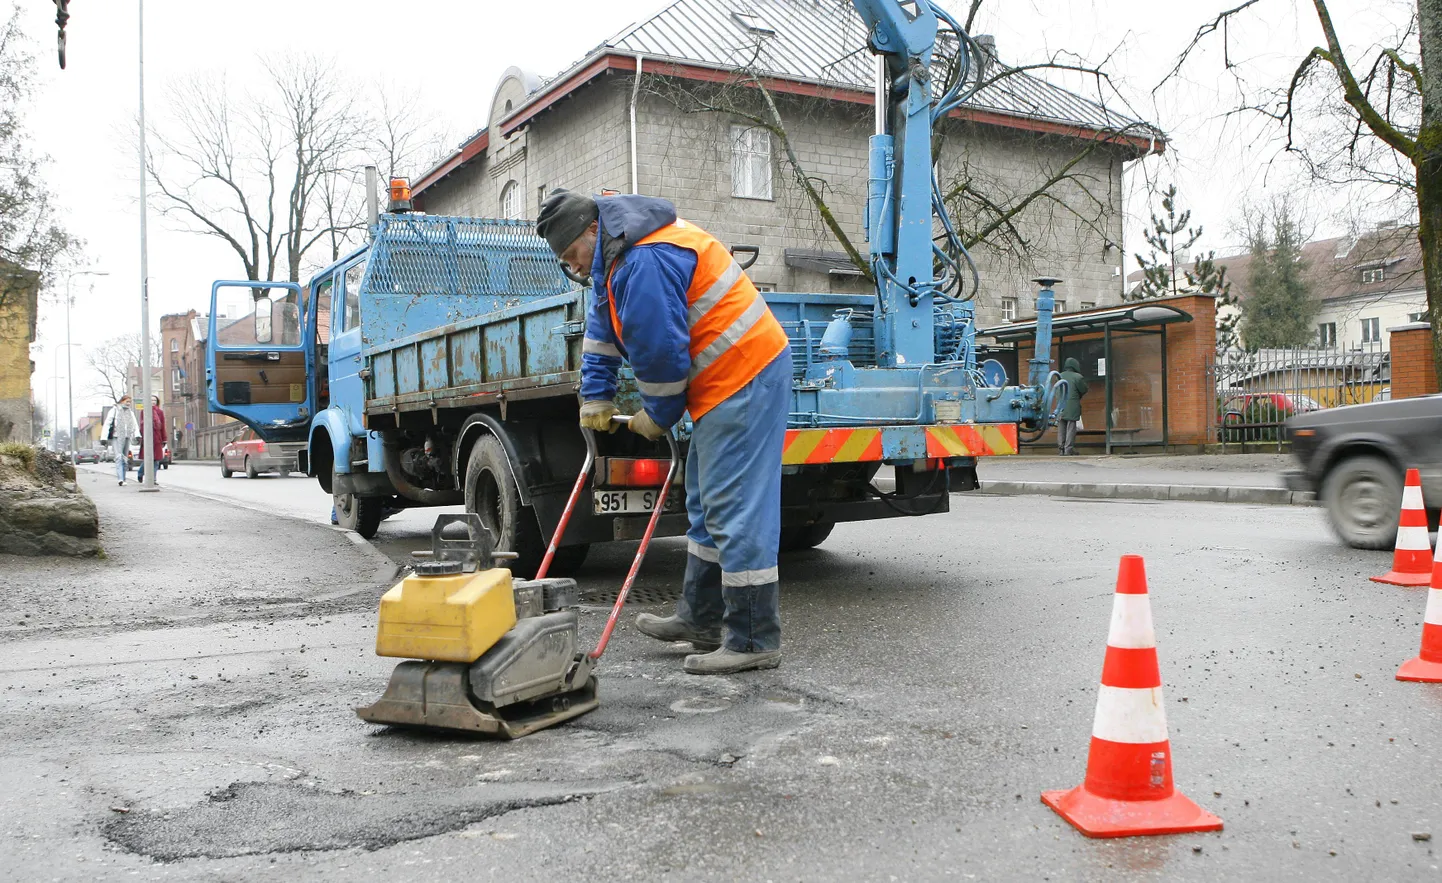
x: 583, y: 143
x: 42, y: 512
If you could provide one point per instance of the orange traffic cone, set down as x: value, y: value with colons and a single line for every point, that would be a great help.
x: 1128, y: 786
x: 1427, y: 665
x: 1412, y: 560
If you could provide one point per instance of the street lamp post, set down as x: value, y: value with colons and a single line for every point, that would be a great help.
x: 69, y: 373
x: 149, y: 441
x: 55, y: 378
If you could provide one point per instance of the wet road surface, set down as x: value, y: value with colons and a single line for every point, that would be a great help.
x: 939, y: 674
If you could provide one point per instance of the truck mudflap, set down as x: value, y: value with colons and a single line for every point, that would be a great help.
x: 867, y: 443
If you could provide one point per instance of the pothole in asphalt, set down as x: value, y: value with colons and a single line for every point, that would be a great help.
x: 700, y: 705
x: 258, y: 818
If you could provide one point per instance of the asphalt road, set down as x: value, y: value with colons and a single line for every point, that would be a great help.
x: 939, y: 674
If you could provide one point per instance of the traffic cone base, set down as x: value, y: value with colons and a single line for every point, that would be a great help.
x: 1397, y: 578
x: 1419, y: 669
x: 1097, y: 816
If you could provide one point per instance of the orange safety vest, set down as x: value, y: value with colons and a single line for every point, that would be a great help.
x: 733, y: 333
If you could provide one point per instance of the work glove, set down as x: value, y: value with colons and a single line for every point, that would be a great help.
x: 597, y: 415
x: 644, y: 426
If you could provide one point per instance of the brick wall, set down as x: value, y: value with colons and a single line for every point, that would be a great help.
x: 1413, y: 373
x: 584, y: 143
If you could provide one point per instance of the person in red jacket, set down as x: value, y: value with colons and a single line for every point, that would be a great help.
x: 156, y: 431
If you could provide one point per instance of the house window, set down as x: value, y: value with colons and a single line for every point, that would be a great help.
x: 1373, y: 274
x: 1008, y: 309
x: 1060, y: 307
x: 175, y: 344
x: 1088, y: 305
x: 540, y: 198
x: 1417, y: 317
x: 1327, y: 334
x: 511, y: 201
x: 765, y: 286
x: 750, y: 162
x: 1372, y: 330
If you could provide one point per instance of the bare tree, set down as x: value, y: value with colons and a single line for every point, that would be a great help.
x: 1371, y: 118
x: 32, y: 239
x: 112, y: 361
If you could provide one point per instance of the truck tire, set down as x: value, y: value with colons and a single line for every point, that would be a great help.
x: 806, y: 536
x: 1363, y: 496
x: 360, y: 514
x: 491, y: 493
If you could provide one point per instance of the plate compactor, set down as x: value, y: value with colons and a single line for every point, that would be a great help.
x: 490, y: 654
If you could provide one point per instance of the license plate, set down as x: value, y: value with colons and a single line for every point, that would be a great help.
x: 638, y: 501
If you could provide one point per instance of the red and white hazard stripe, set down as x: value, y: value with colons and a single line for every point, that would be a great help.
x: 1427, y: 665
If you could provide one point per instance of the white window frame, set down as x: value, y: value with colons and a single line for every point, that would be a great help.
x: 1418, y: 317
x: 1372, y: 330
x: 750, y: 163
x: 1374, y: 274
x: 1088, y: 305
x: 1326, y: 333
x: 1008, y: 309
x: 512, y: 206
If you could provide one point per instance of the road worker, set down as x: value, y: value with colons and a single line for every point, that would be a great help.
x: 670, y: 299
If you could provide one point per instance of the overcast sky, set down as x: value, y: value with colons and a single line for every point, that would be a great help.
x: 453, y: 53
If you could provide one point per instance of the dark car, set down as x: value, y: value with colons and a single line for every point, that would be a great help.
x: 1355, y: 459
x: 87, y: 456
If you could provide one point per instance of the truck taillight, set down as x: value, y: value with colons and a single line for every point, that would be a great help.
x: 627, y: 472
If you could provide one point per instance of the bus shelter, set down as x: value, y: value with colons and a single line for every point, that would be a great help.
x: 1123, y: 353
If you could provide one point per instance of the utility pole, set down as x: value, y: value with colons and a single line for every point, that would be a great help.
x: 69, y: 372
x: 147, y: 432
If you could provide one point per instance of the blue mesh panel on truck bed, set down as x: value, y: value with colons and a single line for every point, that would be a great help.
x: 419, y: 255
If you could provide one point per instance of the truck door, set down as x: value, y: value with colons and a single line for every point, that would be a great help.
x: 260, y: 367
x: 346, y: 387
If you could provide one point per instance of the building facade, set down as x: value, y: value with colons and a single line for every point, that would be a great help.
x: 19, y: 305
x: 649, y: 113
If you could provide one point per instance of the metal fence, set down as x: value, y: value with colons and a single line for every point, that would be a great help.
x: 1255, y: 393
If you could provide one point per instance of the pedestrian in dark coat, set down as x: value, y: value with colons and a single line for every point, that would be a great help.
x: 1070, y: 416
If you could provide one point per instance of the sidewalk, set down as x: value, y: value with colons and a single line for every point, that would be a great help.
x: 1214, y: 478
x: 174, y: 557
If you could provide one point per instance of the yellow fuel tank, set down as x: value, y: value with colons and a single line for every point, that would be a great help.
x: 450, y: 618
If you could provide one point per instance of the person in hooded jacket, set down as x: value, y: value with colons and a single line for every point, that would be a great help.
x: 157, y: 434
x: 1070, y: 416
x: 670, y: 300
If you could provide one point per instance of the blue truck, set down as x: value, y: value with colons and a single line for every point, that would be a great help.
x: 439, y: 364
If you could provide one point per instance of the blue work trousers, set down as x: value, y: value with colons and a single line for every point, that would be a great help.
x: 733, y: 498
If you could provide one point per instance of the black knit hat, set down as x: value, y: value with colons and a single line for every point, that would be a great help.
x: 565, y: 215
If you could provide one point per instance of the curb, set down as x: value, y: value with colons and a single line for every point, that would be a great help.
x: 1263, y: 496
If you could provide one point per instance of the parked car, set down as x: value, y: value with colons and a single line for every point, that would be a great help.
x: 1355, y: 458
x: 90, y: 455
x: 107, y: 455
x: 134, y: 454
x: 1258, y: 416
x: 251, y: 454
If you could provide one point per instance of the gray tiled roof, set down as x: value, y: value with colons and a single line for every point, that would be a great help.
x: 824, y: 41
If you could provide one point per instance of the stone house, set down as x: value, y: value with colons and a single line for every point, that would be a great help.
x: 194, y: 431
x: 626, y: 117
x: 19, y: 307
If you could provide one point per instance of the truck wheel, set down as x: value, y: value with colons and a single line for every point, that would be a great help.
x: 807, y: 536
x: 1363, y: 496
x: 491, y: 493
x: 360, y: 514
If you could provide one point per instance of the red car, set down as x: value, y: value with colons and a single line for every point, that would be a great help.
x: 251, y: 454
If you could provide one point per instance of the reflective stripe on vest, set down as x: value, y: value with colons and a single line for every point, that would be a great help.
x: 733, y: 333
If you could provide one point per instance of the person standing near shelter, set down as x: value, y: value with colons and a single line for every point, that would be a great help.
x: 120, y: 427
x: 670, y: 299
x: 157, y: 433
x: 1070, y: 416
